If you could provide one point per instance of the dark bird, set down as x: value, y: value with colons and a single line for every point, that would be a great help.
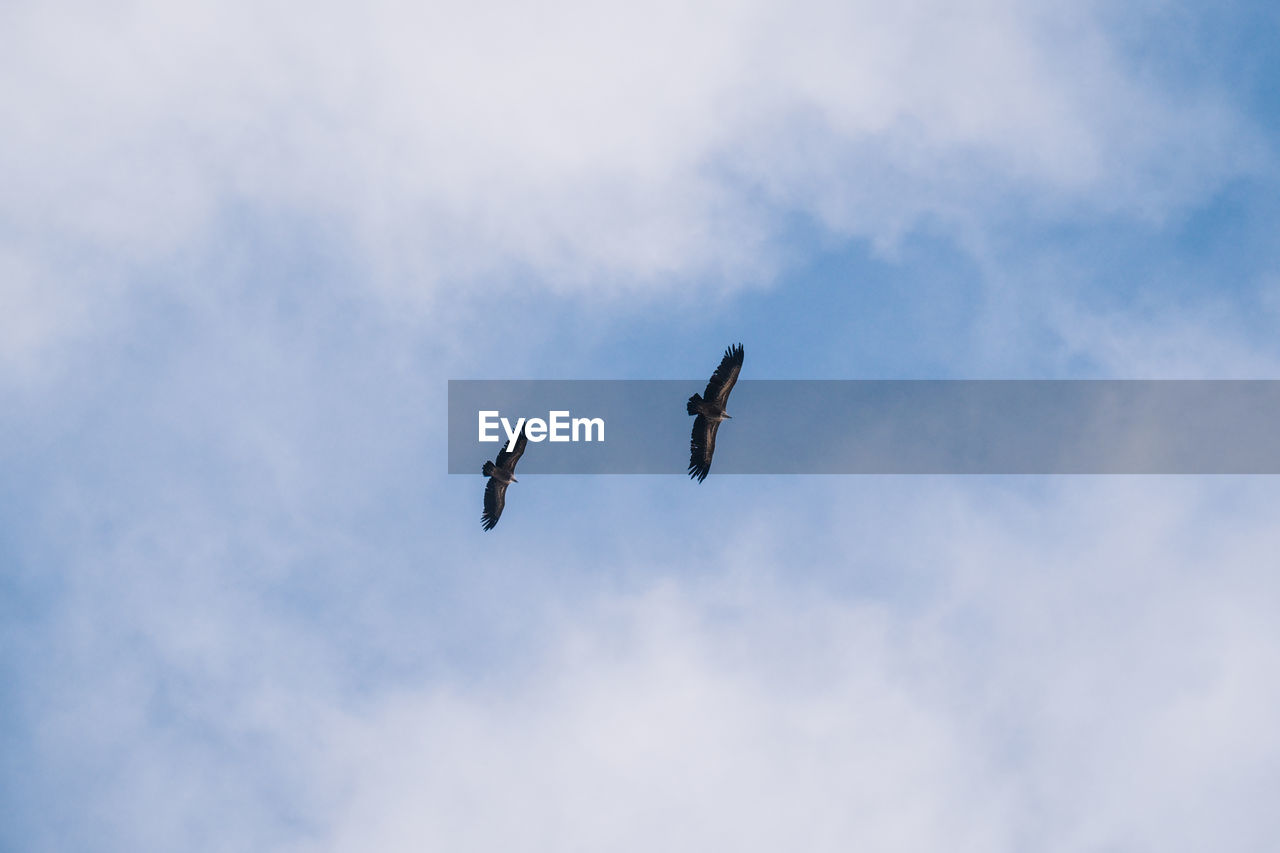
x: 501, y: 473
x: 710, y: 411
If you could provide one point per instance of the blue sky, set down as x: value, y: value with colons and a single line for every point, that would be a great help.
x: 243, y: 249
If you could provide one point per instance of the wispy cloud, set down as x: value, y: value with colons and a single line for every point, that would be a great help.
x: 1074, y: 678
x: 243, y: 615
x: 581, y: 147
x: 984, y: 666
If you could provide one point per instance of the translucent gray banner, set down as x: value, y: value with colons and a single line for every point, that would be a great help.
x: 881, y: 426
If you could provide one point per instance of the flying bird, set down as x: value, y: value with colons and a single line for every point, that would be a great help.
x: 710, y: 411
x: 501, y: 473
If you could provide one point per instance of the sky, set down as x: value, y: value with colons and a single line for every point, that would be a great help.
x: 244, y: 247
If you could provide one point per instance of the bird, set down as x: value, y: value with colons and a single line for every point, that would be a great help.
x: 501, y: 473
x: 710, y: 409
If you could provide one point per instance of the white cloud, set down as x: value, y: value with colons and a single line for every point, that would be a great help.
x: 1087, y: 671
x: 648, y: 725
x: 600, y: 148
x: 1088, y: 667
x: 983, y: 665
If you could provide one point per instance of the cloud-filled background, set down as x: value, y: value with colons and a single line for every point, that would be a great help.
x: 244, y: 246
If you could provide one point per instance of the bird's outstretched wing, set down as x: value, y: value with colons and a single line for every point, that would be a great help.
x: 495, y: 498
x: 702, y: 445
x: 726, y: 375
x: 508, y: 458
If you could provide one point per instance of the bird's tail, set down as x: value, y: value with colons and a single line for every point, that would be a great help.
x: 487, y: 470
x: 692, y: 407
